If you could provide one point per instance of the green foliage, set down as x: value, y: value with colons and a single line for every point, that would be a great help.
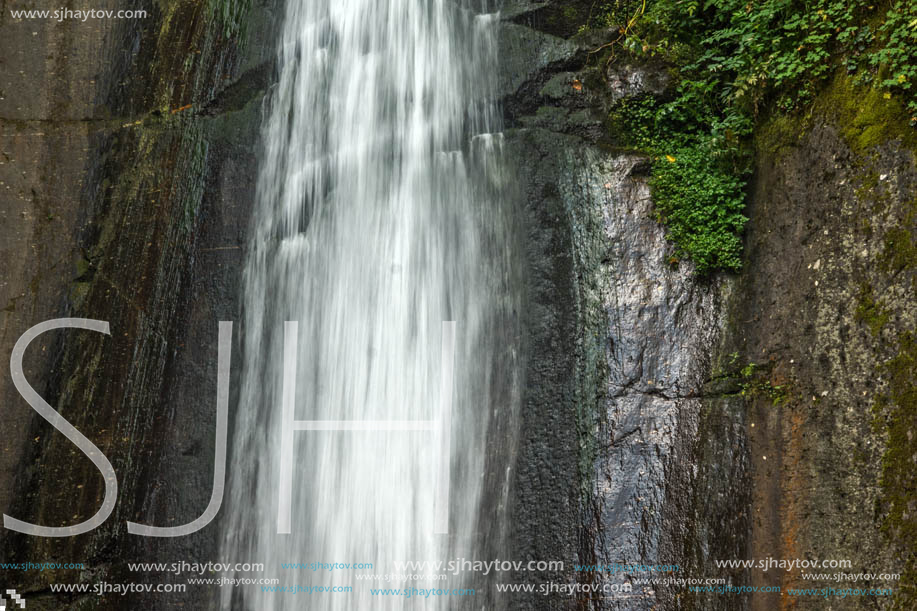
x: 701, y: 204
x: 780, y: 50
x: 699, y: 174
x: 613, y: 14
x: 755, y: 383
x: 731, y: 59
x: 896, y: 55
x: 899, y: 250
x: 749, y: 370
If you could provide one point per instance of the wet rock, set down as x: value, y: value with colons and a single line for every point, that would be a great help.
x: 619, y: 338
x: 149, y: 238
x: 629, y: 79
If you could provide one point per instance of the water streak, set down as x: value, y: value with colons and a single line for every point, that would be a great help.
x: 381, y: 212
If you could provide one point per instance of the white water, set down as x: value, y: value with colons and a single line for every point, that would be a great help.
x: 380, y: 214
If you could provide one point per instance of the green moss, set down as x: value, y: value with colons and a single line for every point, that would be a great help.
x: 776, y: 133
x: 899, y: 250
x: 870, y: 311
x: 82, y: 267
x: 756, y: 383
x: 868, y: 184
x: 865, y: 116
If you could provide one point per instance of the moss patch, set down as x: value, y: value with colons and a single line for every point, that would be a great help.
x: 899, y: 251
x: 778, y: 132
x: 870, y: 311
x: 865, y: 116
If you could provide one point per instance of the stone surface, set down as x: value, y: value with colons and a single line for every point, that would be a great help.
x: 620, y: 337
x: 821, y: 311
x: 139, y: 165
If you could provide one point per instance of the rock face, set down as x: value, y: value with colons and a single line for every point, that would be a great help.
x: 825, y: 307
x: 621, y: 336
x: 46, y: 121
x: 768, y: 414
x: 160, y: 146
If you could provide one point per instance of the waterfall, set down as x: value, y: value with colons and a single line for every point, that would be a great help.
x: 381, y: 213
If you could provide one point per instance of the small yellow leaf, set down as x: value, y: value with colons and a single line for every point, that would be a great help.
x: 670, y: 158
x: 887, y: 96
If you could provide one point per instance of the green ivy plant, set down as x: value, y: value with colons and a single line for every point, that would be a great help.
x: 896, y: 54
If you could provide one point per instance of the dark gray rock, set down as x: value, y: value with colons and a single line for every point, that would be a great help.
x: 620, y: 337
x: 157, y: 164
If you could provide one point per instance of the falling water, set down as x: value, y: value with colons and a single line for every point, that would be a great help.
x: 381, y: 213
